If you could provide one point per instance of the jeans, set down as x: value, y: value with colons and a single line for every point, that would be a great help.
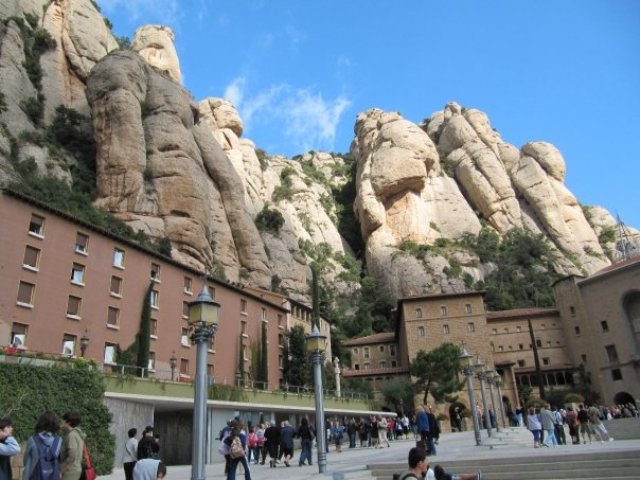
x: 551, y: 437
x: 234, y: 466
x: 305, y: 453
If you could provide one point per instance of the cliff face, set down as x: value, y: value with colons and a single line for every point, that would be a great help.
x: 180, y: 169
x: 420, y: 184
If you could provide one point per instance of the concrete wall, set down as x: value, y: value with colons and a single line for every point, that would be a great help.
x: 125, y: 415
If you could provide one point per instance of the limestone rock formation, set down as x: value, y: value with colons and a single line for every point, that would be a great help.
x: 178, y: 169
x: 419, y: 185
x: 304, y: 210
x: 160, y: 169
x: 154, y: 43
x: 403, y: 195
x: 82, y: 39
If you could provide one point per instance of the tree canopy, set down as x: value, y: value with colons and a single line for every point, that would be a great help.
x: 436, y: 372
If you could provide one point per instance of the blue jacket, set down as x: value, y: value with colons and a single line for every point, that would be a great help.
x: 422, y: 422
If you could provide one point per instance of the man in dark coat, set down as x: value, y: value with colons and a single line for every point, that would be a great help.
x: 287, y: 432
x: 272, y: 442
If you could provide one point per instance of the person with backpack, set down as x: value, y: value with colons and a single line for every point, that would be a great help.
x: 237, y: 442
x: 8, y: 448
x: 42, y: 457
x: 253, y: 454
x: 72, y: 447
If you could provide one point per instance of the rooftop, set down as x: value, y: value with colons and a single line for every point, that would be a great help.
x: 384, y: 337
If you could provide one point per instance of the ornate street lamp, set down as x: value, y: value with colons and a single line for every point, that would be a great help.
x: 489, y: 374
x: 498, y: 381
x: 479, y: 368
x: 467, y: 370
x: 203, y: 320
x: 173, y: 363
x: 84, y: 343
x: 316, y: 344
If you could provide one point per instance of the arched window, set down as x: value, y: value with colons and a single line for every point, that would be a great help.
x: 418, y: 313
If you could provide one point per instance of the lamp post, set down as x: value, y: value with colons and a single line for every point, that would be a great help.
x: 498, y: 381
x: 316, y: 344
x: 203, y: 320
x: 467, y: 370
x: 173, y: 363
x: 84, y: 343
x: 479, y: 368
x: 489, y: 374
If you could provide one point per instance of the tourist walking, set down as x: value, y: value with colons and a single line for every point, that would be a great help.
x: 237, y: 434
x: 42, y: 456
x: 382, y: 432
x: 422, y: 425
x: 147, y: 446
x: 585, y: 428
x: 72, y: 446
x: 306, y: 435
x: 574, y: 426
x: 548, y: 425
x: 287, y: 432
x: 596, y: 424
x: 272, y: 443
x: 534, y: 426
x: 130, y: 453
x: 8, y: 448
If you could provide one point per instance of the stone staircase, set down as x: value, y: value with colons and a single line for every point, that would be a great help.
x: 597, y: 465
x: 624, y: 429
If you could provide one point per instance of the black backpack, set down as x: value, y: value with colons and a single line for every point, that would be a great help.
x: 48, y: 466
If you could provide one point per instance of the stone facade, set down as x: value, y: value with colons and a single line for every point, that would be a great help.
x: 601, y: 316
x: 596, y: 324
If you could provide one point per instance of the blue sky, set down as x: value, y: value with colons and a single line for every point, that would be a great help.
x: 566, y: 72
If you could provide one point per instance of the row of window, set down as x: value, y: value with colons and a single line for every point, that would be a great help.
x: 521, y: 346
x: 31, y: 261
x: 518, y: 329
x: 366, y: 351
x: 381, y: 364
x: 422, y: 331
x: 548, y: 378
x: 444, y: 312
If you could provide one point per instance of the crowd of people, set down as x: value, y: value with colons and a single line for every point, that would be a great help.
x: 57, y: 451
x: 547, y: 424
x: 272, y: 443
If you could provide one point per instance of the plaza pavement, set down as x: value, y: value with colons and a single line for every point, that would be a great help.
x: 351, y: 464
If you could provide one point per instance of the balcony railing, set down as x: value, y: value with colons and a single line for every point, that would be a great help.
x: 169, y: 376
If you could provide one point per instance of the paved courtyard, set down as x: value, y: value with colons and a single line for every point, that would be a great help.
x: 352, y: 463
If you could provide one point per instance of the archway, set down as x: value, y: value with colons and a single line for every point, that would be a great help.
x: 622, y: 398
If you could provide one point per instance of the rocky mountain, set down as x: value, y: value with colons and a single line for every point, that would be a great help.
x: 179, y: 169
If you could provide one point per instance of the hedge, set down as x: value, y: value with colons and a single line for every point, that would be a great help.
x: 27, y: 391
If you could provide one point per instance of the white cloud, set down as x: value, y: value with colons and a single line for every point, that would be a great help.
x: 235, y: 90
x: 302, y: 116
x: 310, y: 121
